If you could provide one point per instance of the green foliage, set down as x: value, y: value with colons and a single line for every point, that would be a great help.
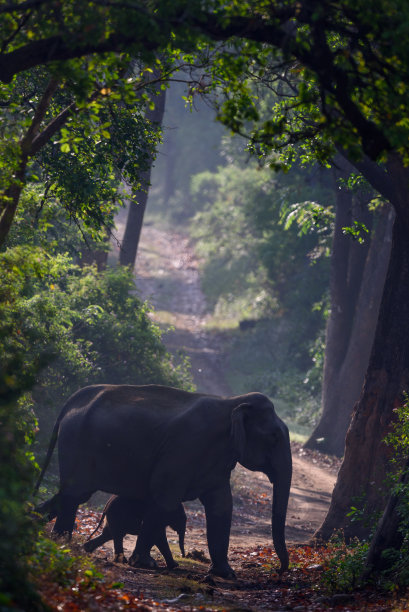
x: 42, y: 221
x: 58, y: 563
x: 256, y: 265
x: 343, y: 571
x: 398, y: 440
x: 358, y: 512
x: 340, y: 71
x: 238, y: 230
x: 17, y: 468
x: 355, y: 231
x: 81, y: 326
x: 83, y: 144
x: 331, y: 85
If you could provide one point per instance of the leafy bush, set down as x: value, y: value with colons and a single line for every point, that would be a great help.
x: 343, y: 571
x: 75, y: 326
x: 17, y: 531
x: 398, y: 439
x: 57, y: 562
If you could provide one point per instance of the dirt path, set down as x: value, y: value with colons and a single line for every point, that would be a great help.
x: 167, y: 274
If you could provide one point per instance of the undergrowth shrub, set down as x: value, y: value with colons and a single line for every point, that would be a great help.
x: 56, y: 562
x: 398, y: 440
x: 17, y: 531
x: 344, y: 565
x: 346, y: 569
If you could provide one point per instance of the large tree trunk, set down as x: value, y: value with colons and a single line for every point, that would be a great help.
x: 356, y: 283
x: 346, y: 361
x: 361, y: 480
x: 137, y: 205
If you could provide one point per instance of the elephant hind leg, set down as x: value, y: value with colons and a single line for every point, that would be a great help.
x: 118, y: 537
x: 161, y: 542
x: 91, y: 545
x: 66, y: 511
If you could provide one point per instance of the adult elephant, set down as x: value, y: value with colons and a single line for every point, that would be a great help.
x: 169, y: 446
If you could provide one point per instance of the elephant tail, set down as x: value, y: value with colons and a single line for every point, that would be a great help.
x: 98, y: 526
x: 103, y: 515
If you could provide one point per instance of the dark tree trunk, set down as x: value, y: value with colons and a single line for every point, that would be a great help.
x: 363, y: 471
x: 137, y: 206
x: 352, y: 372
x: 357, y: 280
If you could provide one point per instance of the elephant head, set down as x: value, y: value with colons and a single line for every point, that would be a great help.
x: 262, y: 443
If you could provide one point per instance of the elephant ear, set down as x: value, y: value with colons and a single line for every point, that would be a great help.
x: 238, y: 428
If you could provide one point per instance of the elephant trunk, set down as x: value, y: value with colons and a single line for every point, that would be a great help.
x: 182, y: 542
x: 281, y: 492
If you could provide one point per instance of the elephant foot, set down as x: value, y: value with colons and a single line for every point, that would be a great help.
x: 172, y: 565
x: 56, y: 534
x: 222, y: 571
x: 120, y: 558
x: 145, y: 561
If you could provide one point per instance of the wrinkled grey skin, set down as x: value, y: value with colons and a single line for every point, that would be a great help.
x: 122, y: 515
x: 169, y: 446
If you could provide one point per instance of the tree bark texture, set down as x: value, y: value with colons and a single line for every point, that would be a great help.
x: 361, y: 479
x: 357, y: 278
x: 137, y: 205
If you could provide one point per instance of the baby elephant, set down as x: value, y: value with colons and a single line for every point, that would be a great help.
x: 123, y: 515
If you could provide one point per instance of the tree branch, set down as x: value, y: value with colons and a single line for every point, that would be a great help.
x: 39, y: 115
x: 57, y: 48
x: 43, y: 137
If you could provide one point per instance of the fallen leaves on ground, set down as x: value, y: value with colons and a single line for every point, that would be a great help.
x: 258, y: 585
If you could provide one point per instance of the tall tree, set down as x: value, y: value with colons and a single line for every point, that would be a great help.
x: 137, y: 204
x: 358, y: 269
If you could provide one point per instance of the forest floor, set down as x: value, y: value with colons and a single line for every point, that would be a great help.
x: 167, y: 273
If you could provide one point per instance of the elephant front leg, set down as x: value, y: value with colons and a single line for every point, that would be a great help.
x: 218, y: 507
x: 66, y: 512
